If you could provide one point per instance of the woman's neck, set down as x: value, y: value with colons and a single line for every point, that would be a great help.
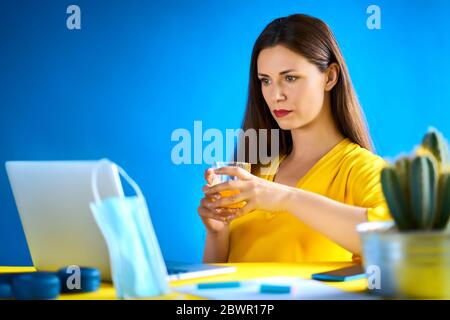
x: 312, y: 142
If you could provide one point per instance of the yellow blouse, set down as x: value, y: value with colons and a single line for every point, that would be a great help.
x: 347, y: 173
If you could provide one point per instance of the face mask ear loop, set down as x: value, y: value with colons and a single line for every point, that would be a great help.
x: 132, y: 183
x: 94, y: 179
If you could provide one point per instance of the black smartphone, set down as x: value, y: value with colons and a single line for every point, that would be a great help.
x: 344, y: 274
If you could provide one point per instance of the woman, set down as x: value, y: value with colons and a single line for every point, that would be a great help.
x: 327, y: 179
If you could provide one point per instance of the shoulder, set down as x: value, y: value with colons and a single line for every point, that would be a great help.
x: 361, y: 166
x: 358, y: 157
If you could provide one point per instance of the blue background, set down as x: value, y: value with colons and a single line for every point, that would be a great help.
x: 137, y: 70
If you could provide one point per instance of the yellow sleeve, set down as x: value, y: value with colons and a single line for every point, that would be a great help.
x: 367, y: 189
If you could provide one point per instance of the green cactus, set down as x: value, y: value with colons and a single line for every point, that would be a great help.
x: 417, y: 189
x: 423, y: 183
x: 395, y: 197
x: 435, y: 142
x: 403, y: 168
x: 443, y: 210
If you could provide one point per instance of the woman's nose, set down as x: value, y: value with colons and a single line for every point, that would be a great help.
x: 278, y: 94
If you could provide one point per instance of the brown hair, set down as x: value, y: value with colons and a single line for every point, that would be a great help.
x: 314, y: 40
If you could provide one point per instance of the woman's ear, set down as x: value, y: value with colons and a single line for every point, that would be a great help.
x: 332, y: 76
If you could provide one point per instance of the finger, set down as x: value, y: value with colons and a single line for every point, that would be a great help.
x: 241, y: 212
x: 216, y: 213
x: 211, y: 196
x: 222, y: 214
x: 206, y: 202
x: 214, y: 196
x: 250, y: 206
x: 225, y: 212
x: 209, y: 176
x: 228, y: 185
x: 207, y: 213
x: 206, y: 188
x: 205, y: 173
x: 234, y: 171
x: 227, y: 201
x: 238, y: 213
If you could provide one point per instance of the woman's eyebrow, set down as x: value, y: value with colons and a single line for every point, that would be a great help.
x: 281, y: 73
x: 286, y: 71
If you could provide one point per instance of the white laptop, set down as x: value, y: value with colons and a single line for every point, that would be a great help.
x: 53, y: 199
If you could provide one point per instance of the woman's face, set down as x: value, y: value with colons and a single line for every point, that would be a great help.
x: 292, y: 87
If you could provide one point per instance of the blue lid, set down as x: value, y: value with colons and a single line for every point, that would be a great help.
x: 6, y: 285
x: 89, y: 280
x: 5, y: 290
x: 6, y: 277
x: 85, y: 272
x: 36, y: 285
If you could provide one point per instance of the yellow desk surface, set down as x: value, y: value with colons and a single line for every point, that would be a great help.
x: 244, y: 271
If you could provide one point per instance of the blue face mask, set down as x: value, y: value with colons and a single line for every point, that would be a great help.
x: 137, y: 267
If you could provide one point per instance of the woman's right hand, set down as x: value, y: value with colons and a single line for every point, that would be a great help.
x: 214, y: 222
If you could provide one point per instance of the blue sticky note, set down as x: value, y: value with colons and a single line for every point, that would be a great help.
x: 218, y: 285
x: 271, y: 288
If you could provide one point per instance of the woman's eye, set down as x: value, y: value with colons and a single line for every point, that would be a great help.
x: 291, y: 78
x: 265, y: 81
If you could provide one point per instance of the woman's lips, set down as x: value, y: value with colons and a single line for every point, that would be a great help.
x: 279, y: 113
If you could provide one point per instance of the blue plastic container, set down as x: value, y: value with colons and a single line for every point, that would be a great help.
x: 36, y: 286
x: 5, y: 286
x: 90, y: 280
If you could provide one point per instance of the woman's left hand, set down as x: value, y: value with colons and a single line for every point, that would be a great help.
x: 258, y: 193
